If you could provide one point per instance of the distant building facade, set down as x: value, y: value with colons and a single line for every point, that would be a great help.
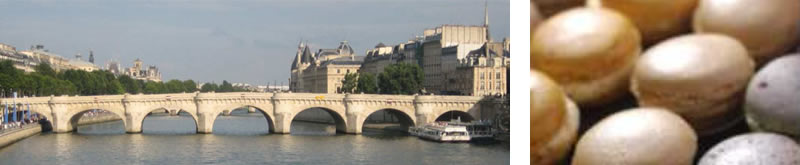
x: 26, y: 60
x: 21, y: 61
x: 322, y: 71
x: 482, y: 72
x: 382, y: 55
x: 150, y: 73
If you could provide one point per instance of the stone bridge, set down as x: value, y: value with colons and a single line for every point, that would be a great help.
x: 348, y: 110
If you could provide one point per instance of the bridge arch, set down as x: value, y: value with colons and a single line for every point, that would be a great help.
x: 455, y: 114
x: 43, y: 111
x: 338, y: 115
x: 264, y: 110
x: 74, y: 115
x: 405, y: 118
x: 140, y: 120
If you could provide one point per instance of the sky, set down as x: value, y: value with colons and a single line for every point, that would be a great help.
x: 243, y: 41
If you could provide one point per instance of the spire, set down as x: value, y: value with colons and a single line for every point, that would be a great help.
x: 486, y: 18
x: 91, y: 56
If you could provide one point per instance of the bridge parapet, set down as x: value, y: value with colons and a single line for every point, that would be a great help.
x: 87, y: 99
x: 308, y: 98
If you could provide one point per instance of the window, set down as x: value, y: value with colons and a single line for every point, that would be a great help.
x: 483, y: 75
x: 497, y: 84
x: 497, y: 75
x: 482, y: 85
x: 338, y: 71
x: 348, y: 71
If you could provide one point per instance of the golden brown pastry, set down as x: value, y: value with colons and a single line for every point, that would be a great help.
x: 554, y: 121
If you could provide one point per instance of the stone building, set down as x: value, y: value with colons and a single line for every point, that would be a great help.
x: 37, y: 54
x: 150, y: 73
x: 383, y: 55
x: 21, y: 61
x: 443, y: 37
x: 483, y: 72
x: 324, y: 70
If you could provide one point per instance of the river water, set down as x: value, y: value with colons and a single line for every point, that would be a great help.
x: 241, y: 139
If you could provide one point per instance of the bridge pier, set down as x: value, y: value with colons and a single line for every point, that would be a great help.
x: 205, y: 122
x: 354, y: 121
x: 61, y: 121
x: 133, y: 122
x: 283, y: 123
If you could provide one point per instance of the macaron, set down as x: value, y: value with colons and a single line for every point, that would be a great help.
x: 590, y: 52
x: 768, y: 28
x: 702, y: 77
x: 554, y: 121
x: 753, y: 148
x: 772, y: 102
x: 638, y: 136
x: 656, y: 19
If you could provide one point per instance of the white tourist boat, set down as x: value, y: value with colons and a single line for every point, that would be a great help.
x: 441, y: 131
x: 454, y: 131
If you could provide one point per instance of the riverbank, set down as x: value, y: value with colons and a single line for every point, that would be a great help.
x: 10, y: 136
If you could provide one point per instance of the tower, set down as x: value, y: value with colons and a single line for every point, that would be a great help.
x: 486, y: 19
x: 137, y: 64
x: 91, y: 56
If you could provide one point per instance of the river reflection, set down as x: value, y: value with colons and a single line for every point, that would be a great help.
x: 240, y: 139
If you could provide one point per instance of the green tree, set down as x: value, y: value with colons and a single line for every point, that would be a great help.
x: 131, y: 86
x: 209, y: 87
x: 7, y: 68
x: 367, y: 83
x: 349, y: 83
x: 152, y: 87
x: 108, y: 83
x: 401, y: 78
x: 45, y: 69
x: 174, y: 86
x: 225, y: 87
x: 190, y: 85
x: 84, y: 82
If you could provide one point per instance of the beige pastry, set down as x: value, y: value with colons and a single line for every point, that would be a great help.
x: 590, y: 52
x: 768, y: 28
x: 638, y: 136
x: 655, y: 19
x: 702, y: 77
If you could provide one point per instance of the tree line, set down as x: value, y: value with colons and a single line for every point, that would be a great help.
x: 45, y: 81
x: 400, y: 78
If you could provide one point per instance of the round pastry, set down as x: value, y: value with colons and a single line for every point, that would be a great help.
x: 702, y: 77
x: 552, y: 7
x: 655, y: 19
x: 753, y: 148
x: 589, y: 51
x: 767, y: 28
x: 772, y: 97
x: 554, y: 121
x: 638, y: 136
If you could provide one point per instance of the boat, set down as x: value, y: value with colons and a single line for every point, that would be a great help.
x: 454, y: 131
x: 441, y: 132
